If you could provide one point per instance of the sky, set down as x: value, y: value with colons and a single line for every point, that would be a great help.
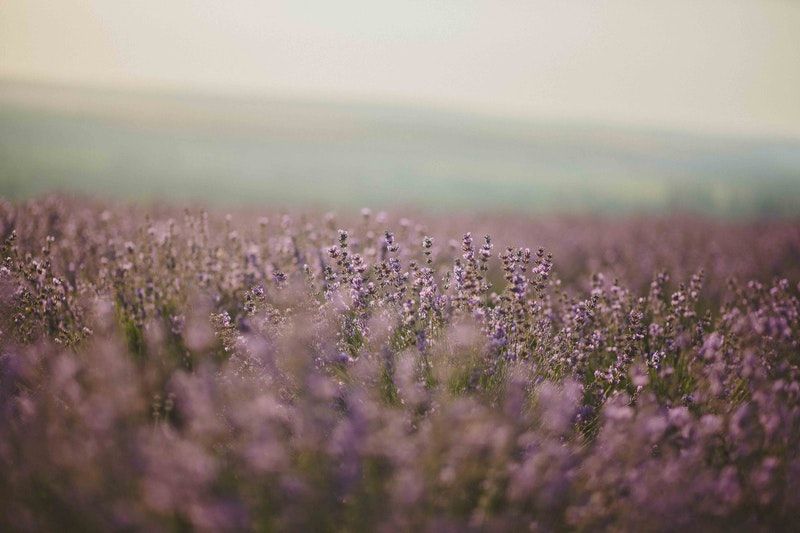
x: 728, y: 66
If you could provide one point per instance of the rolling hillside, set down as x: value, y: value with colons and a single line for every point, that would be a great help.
x: 234, y: 150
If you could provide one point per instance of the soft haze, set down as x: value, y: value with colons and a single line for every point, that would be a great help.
x: 707, y: 66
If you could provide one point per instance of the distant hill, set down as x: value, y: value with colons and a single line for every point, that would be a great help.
x: 234, y: 150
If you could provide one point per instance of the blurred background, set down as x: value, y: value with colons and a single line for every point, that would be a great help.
x: 537, y: 106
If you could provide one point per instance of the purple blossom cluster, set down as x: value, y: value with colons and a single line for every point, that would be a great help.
x: 184, y: 370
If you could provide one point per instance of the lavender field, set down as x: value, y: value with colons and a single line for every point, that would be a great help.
x: 170, y: 369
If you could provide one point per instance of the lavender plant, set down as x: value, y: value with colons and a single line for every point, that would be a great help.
x: 183, y: 370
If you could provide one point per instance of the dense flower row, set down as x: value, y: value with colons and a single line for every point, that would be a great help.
x: 169, y: 370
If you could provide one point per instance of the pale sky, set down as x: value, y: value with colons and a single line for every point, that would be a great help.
x: 729, y: 66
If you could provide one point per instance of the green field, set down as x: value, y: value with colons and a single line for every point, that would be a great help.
x: 225, y: 150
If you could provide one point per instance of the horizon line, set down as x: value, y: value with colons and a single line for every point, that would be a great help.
x: 429, y: 107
